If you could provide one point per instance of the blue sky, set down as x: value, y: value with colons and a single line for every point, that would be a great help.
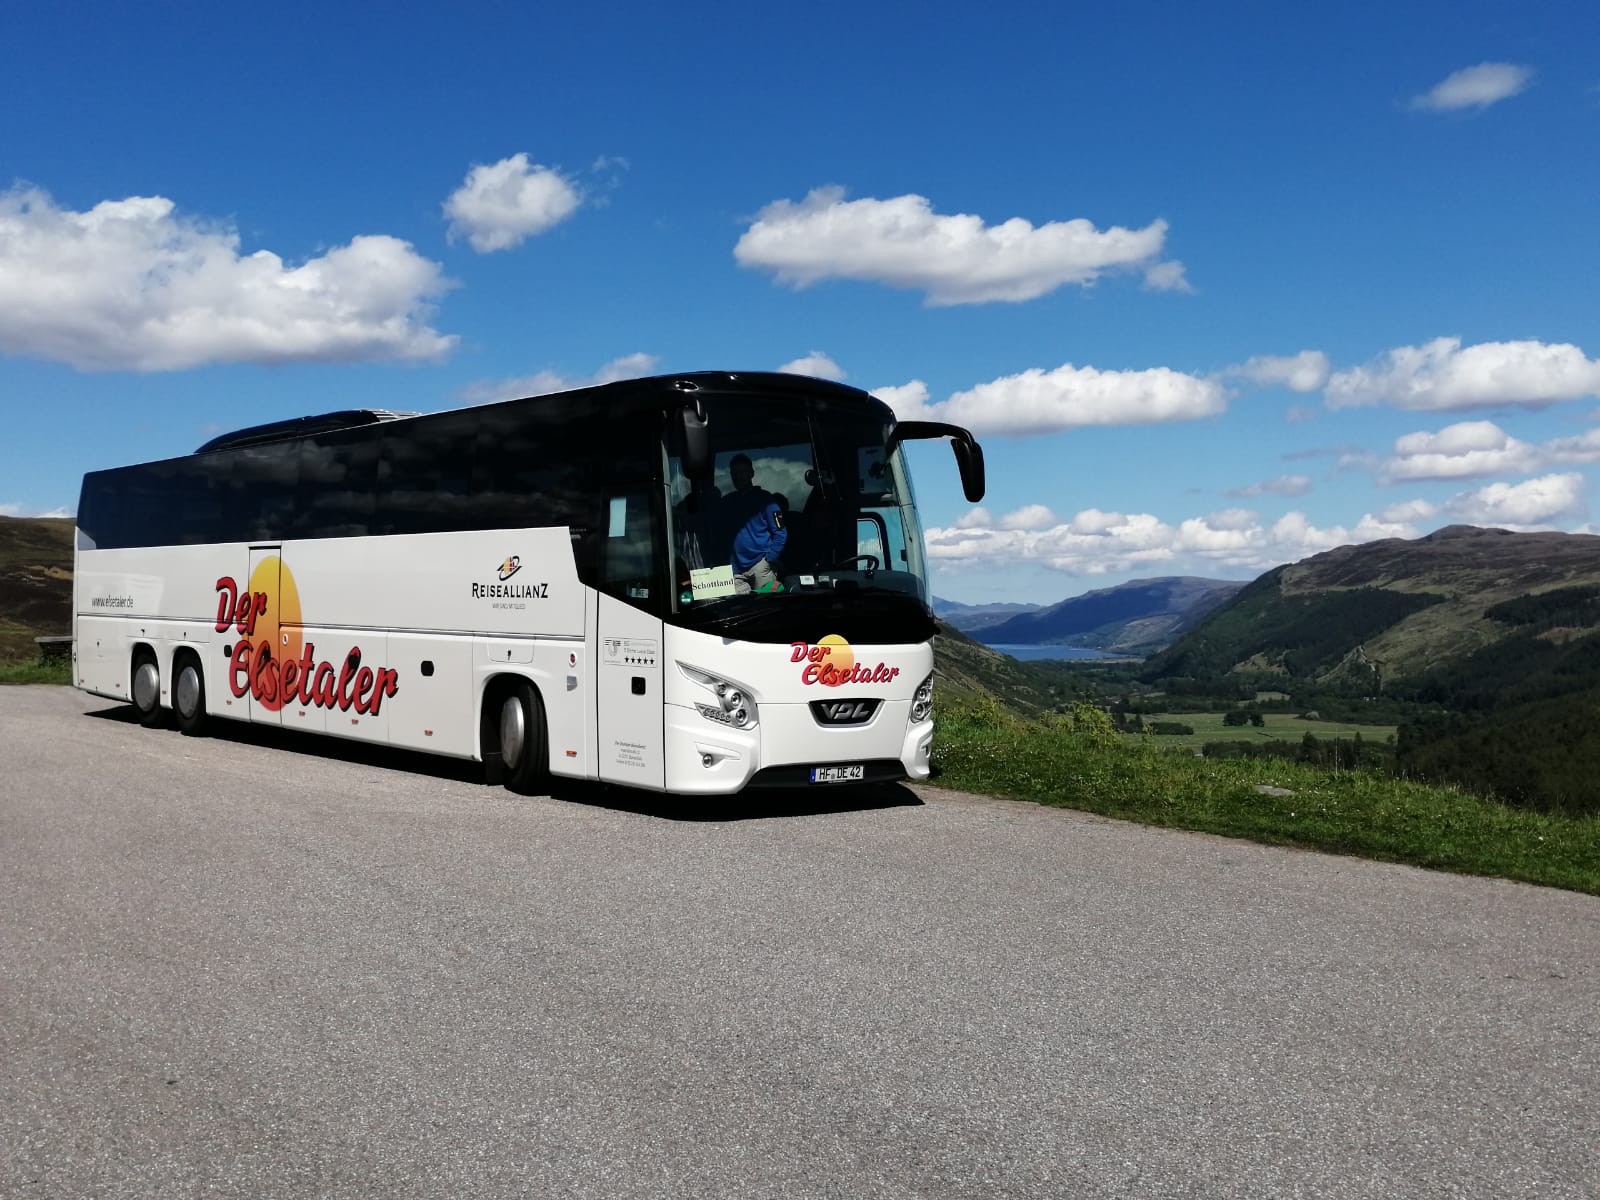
x: 1217, y: 287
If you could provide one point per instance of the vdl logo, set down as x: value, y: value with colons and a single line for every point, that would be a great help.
x: 844, y: 712
x: 509, y: 568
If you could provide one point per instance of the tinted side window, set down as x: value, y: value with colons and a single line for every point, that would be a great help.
x: 429, y: 478
x: 256, y: 486
x: 337, y: 476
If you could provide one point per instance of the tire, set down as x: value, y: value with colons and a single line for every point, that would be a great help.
x: 146, y: 689
x: 189, y: 696
x: 519, y: 728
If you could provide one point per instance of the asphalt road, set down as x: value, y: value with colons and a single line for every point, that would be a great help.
x: 264, y: 966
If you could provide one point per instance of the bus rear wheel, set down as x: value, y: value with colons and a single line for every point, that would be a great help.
x: 520, y: 723
x: 189, y: 697
x: 147, y: 689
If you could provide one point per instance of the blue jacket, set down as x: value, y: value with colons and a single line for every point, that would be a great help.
x: 763, y: 536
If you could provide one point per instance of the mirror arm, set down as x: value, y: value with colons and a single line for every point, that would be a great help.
x: 969, y: 455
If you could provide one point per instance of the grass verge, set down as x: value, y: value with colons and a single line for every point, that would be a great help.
x: 1086, y: 765
x: 37, y: 671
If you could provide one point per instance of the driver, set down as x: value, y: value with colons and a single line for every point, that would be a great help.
x: 760, y: 523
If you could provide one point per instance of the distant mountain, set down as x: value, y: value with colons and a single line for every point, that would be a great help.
x: 970, y: 617
x: 1384, y: 610
x: 1136, y: 617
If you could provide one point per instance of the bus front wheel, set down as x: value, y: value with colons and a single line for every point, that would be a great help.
x: 521, y: 737
x: 189, y: 697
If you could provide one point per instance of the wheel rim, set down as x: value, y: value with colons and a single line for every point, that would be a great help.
x: 187, y: 694
x: 513, y: 731
x: 146, y: 686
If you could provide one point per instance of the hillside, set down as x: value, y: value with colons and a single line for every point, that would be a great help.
x: 1136, y: 617
x: 35, y: 582
x: 965, y: 669
x: 1377, y: 613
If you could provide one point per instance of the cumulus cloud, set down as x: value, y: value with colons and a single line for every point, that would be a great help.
x: 1068, y: 397
x: 1030, y: 516
x: 542, y: 383
x: 1475, y: 87
x: 1409, y: 512
x: 1303, y: 372
x: 816, y: 364
x: 1094, y: 542
x: 501, y: 205
x: 1444, y: 376
x: 134, y: 285
x: 1520, y: 505
x: 953, y: 259
x: 1283, y: 485
x: 1584, y: 448
x: 1466, y: 450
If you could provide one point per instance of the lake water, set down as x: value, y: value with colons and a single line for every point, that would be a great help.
x: 1034, y: 652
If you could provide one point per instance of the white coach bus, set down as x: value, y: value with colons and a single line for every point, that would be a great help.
x: 692, y: 584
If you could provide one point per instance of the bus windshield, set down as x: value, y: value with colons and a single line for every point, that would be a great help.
x: 804, y: 509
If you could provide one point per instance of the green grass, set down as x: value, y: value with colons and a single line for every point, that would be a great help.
x: 55, y: 671
x: 1281, y: 727
x: 983, y: 749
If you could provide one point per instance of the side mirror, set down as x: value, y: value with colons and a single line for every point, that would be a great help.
x: 696, y: 439
x: 969, y: 460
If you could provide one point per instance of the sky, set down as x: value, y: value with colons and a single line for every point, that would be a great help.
x: 1217, y: 287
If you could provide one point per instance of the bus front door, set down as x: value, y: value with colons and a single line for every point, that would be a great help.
x: 628, y: 696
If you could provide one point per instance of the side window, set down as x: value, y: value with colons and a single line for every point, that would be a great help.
x: 429, y: 480
x: 338, y: 472
x: 546, y: 462
x: 630, y: 556
x: 259, y: 486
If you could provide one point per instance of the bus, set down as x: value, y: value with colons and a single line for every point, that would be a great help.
x: 693, y: 584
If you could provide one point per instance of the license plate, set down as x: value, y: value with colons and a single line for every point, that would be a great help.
x: 838, y: 774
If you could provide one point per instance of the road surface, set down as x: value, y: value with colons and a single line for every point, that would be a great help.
x: 259, y: 966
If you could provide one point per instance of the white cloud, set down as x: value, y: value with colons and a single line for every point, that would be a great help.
x: 132, y: 285
x: 1475, y: 87
x: 976, y: 518
x: 1068, y: 397
x: 542, y: 383
x: 501, y: 205
x: 951, y: 259
x: 1283, y: 485
x: 1094, y: 542
x: 909, y: 400
x: 1520, y: 505
x: 1408, y: 512
x: 816, y: 364
x: 1465, y: 450
x: 1031, y: 516
x: 1303, y: 372
x: 1167, y: 276
x: 1444, y: 376
x: 1584, y: 448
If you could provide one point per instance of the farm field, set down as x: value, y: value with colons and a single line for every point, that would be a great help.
x: 1208, y: 727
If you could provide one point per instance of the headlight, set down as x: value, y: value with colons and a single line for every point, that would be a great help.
x: 732, y: 706
x: 922, y: 702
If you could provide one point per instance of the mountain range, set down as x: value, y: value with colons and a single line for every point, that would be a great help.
x: 1137, y: 617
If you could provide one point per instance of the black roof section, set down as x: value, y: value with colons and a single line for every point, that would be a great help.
x: 279, y: 431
